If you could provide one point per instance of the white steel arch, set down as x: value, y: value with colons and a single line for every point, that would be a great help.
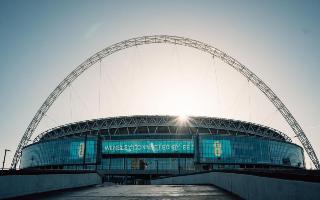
x: 171, y: 40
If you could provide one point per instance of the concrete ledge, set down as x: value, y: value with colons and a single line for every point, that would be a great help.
x: 20, y: 185
x: 250, y: 186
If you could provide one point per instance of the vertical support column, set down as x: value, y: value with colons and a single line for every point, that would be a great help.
x: 126, y: 169
x: 85, y: 152
x: 157, y: 166
x: 196, y: 157
x: 179, y: 167
x: 196, y: 148
x: 98, y: 150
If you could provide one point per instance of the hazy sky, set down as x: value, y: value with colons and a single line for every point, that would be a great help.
x: 42, y: 41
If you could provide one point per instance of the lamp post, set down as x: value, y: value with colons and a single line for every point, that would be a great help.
x: 157, y: 167
x: 4, y: 158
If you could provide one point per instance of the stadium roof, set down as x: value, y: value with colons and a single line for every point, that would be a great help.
x: 155, y: 124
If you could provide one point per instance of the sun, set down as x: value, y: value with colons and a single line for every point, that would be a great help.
x: 183, y: 117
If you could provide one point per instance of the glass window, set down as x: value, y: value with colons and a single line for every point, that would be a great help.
x: 59, y: 152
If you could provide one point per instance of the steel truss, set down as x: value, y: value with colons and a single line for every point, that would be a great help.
x: 170, y: 40
x: 131, y: 124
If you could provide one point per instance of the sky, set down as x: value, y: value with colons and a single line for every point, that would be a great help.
x: 41, y: 42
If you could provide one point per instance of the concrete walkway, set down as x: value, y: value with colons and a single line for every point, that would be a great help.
x: 141, y: 192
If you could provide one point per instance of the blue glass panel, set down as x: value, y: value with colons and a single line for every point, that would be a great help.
x: 216, y: 148
x: 249, y: 150
x: 77, y: 149
x: 59, y: 152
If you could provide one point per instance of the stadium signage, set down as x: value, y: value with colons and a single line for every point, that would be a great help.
x: 212, y: 148
x: 147, y: 146
x: 77, y: 149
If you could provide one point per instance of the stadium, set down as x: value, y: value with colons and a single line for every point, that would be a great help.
x: 161, y: 145
x: 140, y: 147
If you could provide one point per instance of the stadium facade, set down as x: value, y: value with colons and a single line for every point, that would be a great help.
x: 161, y: 145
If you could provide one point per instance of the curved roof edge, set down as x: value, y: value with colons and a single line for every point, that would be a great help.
x: 162, y: 120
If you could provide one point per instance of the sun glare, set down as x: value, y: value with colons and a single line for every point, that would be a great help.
x: 183, y: 119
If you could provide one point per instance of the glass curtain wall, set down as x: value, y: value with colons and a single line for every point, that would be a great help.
x: 70, y: 151
x: 249, y: 150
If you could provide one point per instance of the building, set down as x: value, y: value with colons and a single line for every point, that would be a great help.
x: 161, y: 145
